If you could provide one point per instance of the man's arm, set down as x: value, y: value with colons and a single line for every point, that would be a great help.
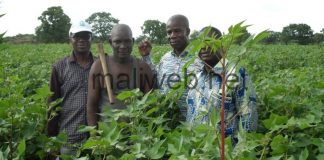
x: 148, y: 82
x: 246, y: 102
x: 145, y: 49
x: 94, y: 93
x: 147, y: 59
x: 53, y: 122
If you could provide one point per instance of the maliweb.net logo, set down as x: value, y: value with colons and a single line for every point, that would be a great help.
x: 172, y: 81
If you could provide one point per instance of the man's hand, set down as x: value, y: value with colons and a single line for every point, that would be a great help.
x: 145, y: 48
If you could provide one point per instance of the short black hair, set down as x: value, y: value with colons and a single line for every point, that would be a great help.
x: 212, y: 30
x: 180, y: 17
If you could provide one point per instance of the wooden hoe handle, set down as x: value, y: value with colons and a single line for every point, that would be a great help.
x: 105, y: 71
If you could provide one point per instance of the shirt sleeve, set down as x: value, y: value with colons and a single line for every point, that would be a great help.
x: 246, y: 102
x: 161, y: 75
x: 55, y: 86
x: 53, y: 122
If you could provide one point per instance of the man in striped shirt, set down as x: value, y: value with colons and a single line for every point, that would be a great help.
x: 169, y: 70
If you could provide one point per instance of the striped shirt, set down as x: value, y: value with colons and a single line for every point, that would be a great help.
x: 69, y: 81
x: 240, y: 101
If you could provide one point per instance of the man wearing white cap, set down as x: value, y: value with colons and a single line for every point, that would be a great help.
x: 69, y: 82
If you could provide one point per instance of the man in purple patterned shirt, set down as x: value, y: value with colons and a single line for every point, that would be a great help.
x: 69, y: 82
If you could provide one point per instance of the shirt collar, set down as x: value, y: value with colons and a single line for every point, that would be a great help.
x: 183, y: 54
x: 72, y: 57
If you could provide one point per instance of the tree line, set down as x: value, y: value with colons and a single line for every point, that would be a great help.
x: 55, y: 25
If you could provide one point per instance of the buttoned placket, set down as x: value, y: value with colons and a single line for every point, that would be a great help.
x: 84, y: 78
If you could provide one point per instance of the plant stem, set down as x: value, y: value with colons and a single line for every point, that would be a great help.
x: 222, y: 112
x: 263, y: 150
x: 11, y: 137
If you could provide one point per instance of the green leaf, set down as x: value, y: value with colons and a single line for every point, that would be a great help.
x: 86, y: 129
x: 249, y: 42
x: 152, y: 110
x: 90, y: 144
x: 320, y: 156
x: 127, y: 157
x: 111, y: 133
x: 160, y: 119
x: 144, y: 99
x: 275, y: 157
x: 319, y: 142
x: 303, y: 155
x: 127, y: 94
x: 236, y: 28
x: 42, y: 93
x: 30, y: 130
x: 4, y: 105
x: 61, y: 138
x: 172, y: 149
x: 228, y: 148
x: 186, y: 66
x: 279, y: 145
x: 137, y: 150
x: 274, y: 120
x: 202, y: 129
x: 303, y: 123
x: 259, y: 37
x: 156, y: 151
x: 2, y: 156
x: 175, y: 143
x: 104, y: 128
x: 4, y: 153
x: 22, y: 147
x: 214, y: 117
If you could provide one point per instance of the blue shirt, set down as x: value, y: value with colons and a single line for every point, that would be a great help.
x: 206, y: 94
x: 169, y: 73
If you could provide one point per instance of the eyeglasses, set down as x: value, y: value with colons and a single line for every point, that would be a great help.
x: 83, y: 36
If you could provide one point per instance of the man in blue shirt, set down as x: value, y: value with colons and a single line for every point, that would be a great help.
x: 206, y: 93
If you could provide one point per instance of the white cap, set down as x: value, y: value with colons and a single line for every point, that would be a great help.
x: 80, y: 26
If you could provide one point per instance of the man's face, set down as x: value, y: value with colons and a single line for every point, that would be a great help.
x: 81, y: 42
x: 177, y: 34
x: 206, y: 54
x: 122, y: 44
x: 209, y: 54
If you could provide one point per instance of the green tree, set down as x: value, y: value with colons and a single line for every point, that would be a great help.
x: 299, y: 33
x: 54, y: 27
x: 194, y: 35
x: 274, y: 37
x: 21, y: 38
x: 102, y: 24
x: 141, y: 38
x: 155, y: 30
x: 318, y: 38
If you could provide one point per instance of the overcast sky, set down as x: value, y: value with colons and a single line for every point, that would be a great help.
x: 21, y: 15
